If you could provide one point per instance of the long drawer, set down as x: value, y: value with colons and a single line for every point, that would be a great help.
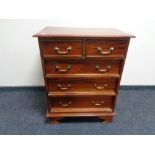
x: 73, y: 85
x: 83, y: 104
x: 83, y: 67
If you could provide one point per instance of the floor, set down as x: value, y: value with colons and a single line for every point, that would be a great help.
x: 22, y: 111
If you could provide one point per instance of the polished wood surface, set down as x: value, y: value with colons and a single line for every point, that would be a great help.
x: 79, y: 93
x: 59, y: 48
x: 81, y: 32
x: 104, y: 48
x: 83, y: 104
x: 84, y: 85
x: 83, y: 67
x: 82, y: 70
x: 83, y: 76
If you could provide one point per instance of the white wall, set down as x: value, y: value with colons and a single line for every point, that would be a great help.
x: 20, y: 60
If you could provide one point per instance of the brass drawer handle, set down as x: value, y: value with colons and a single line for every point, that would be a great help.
x: 100, y: 87
x: 103, y: 70
x: 64, y: 88
x: 97, y: 103
x: 110, y: 50
x: 58, y: 68
x: 68, y: 49
x: 65, y: 104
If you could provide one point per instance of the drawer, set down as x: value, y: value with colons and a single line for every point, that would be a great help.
x: 106, y: 48
x: 59, y: 48
x: 83, y: 67
x: 81, y: 85
x: 82, y: 104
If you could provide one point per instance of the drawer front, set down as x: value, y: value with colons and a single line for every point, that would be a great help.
x: 83, y: 67
x: 83, y: 104
x: 60, y: 48
x: 103, y: 48
x: 82, y: 85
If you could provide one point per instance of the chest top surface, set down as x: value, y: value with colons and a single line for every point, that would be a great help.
x: 82, y: 32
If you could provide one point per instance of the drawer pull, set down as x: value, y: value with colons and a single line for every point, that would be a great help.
x: 99, y: 49
x: 58, y: 68
x: 103, y: 70
x: 65, y: 104
x: 64, y: 88
x: 97, y: 103
x: 68, y: 49
x: 100, y: 87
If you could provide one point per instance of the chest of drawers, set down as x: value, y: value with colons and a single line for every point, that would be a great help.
x: 82, y: 69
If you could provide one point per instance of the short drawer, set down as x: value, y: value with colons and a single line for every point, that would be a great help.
x: 83, y: 67
x: 59, y: 48
x: 106, y: 48
x: 81, y: 85
x: 82, y: 104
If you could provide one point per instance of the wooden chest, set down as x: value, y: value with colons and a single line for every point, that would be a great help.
x: 82, y: 70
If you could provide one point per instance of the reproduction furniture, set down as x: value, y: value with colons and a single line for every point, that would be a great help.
x: 82, y: 70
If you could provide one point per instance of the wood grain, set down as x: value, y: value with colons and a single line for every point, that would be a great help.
x: 70, y: 84
x: 118, y: 46
x: 81, y: 32
x: 83, y: 104
x: 48, y: 48
x: 79, y: 93
x: 83, y: 67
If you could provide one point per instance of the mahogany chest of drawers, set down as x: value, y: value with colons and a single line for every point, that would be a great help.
x: 82, y: 70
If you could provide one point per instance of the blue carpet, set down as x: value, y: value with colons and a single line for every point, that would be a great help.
x: 22, y: 111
